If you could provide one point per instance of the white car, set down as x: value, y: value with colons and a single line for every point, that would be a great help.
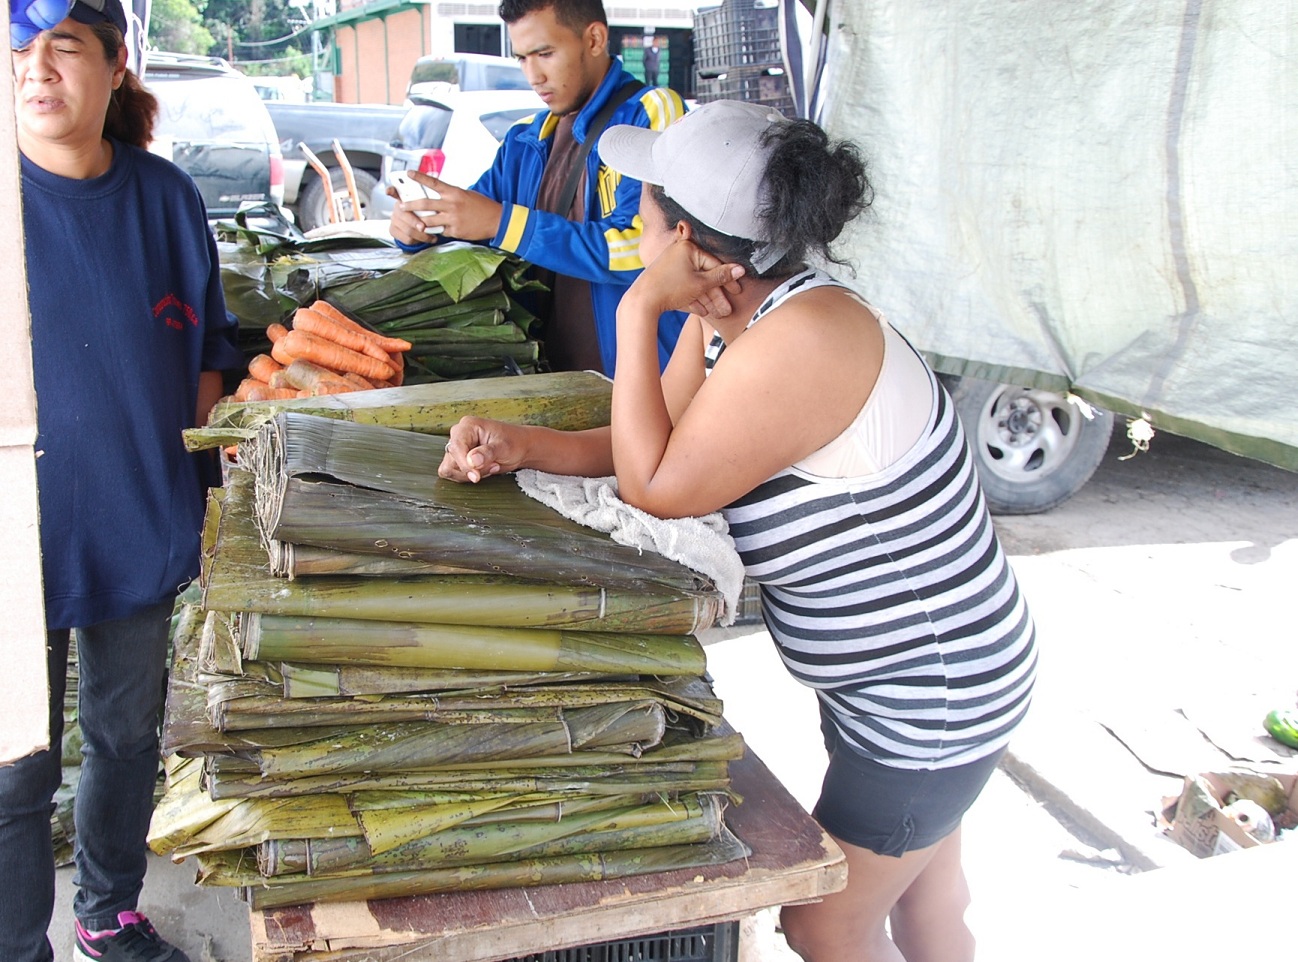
x: 454, y: 136
x: 432, y: 76
x: 213, y: 125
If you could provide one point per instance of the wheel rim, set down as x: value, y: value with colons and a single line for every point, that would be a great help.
x: 1026, y: 434
x: 349, y: 212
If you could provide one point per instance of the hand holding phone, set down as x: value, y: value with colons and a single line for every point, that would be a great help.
x: 410, y: 189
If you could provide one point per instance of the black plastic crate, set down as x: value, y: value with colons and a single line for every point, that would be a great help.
x: 735, y: 34
x: 753, y: 85
x: 707, y: 943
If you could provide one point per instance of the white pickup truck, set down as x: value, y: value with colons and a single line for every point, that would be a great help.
x: 364, y: 131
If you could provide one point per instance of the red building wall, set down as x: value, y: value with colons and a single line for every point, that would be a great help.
x: 388, y: 47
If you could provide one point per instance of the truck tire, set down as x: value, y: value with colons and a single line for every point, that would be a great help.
x: 311, y: 207
x: 1034, y: 449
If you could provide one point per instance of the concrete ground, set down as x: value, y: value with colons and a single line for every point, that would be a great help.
x: 1163, y: 599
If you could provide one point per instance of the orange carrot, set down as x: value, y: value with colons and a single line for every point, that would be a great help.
x: 385, y: 342
x: 399, y: 364
x: 358, y: 382
x: 305, y: 378
x: 246, y: 385
x: 313, y: 322
x: 263, y: 366
x: 272, y: 393
x: 311, y: 377
x: 275, y: 332
x: 333, y: 356
x: 280, y: 353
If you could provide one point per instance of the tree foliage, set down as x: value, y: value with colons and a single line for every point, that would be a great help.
x: 177, y: 25
x: 262, y: 37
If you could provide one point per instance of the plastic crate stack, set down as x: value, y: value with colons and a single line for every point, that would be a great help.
x: 737, y: 54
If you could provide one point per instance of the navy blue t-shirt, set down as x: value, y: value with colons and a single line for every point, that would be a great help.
x: 126, y: 304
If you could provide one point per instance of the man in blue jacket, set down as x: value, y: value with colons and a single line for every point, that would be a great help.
x: 589, y: 253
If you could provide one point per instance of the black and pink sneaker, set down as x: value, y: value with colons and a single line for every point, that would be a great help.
x: 134, y: 941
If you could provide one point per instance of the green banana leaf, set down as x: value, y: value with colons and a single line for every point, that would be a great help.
x: 227, y: 868
x: 567, y: 401
x: 682, y: 821
x: 235, y: 577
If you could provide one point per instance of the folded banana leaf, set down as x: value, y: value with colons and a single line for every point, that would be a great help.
x: 221, y: 782
x: 187, y: 728
x: 458, y: 269
x: 243, y: 704
x: 218, y: 647
x: 353, y: 519
x: 455, y: 323
x: 570, y: 401
x: 433, y: 306
x: 230, y: 868
x: 324, y: 681
x: 492, y: 527
x: 184, y: 713
x: 235, y: 578
x: 187, y: 820
x: 306, y: 560
x: 389, y: 820
x: 233, y: 706
x: 526, y: 360
x: 333, y: 641
x: 220, y: 665
x: 623, y: 729
x: 681, y: 821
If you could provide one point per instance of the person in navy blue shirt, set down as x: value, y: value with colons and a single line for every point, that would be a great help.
x: 129, y: 338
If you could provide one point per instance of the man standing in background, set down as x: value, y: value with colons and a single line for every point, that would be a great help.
x: 548, y: 196
x: 651, y: 61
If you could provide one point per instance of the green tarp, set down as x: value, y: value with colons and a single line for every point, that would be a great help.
x: 1098, y: 198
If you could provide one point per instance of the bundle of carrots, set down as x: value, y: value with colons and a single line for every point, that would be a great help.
x: 325, y: 352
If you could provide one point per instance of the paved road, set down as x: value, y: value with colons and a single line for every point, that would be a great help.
x: 1163, y: 596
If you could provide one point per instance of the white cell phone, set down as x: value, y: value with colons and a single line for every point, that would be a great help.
x: 410, y: 189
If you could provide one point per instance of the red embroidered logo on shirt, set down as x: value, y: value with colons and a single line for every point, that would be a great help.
x: 171, y: 300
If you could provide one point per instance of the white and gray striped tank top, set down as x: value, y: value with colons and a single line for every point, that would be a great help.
x: 890, y: 595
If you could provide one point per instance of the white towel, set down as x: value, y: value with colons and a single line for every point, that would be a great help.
x: 701, y: 544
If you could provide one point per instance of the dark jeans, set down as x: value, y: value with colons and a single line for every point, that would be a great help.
x: 122, y: 666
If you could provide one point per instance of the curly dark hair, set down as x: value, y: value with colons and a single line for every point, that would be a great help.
x: 132, y: 110
x: 814, y: 189
x: 576, y: 15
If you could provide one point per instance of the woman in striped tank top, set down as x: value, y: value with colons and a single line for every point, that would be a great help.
x: 835, y: 454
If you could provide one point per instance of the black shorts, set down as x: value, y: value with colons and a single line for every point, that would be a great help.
x: 891, y: 811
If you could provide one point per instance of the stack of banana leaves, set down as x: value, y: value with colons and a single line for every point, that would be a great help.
x: 456, y: 303
x: 392, y: 684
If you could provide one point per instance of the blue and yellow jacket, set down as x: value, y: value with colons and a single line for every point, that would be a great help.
x: 605, y: 248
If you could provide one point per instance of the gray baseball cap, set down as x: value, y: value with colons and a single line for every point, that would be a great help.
x: 711, y: 162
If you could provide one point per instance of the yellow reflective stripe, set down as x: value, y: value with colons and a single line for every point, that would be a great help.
x: 548, y: 125
x: 624, y: 247
x: 663, y: 105
x: 606, y: 185
x: 514, y: 232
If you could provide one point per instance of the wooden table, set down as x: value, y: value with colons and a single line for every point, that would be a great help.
x: 793, y: 860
